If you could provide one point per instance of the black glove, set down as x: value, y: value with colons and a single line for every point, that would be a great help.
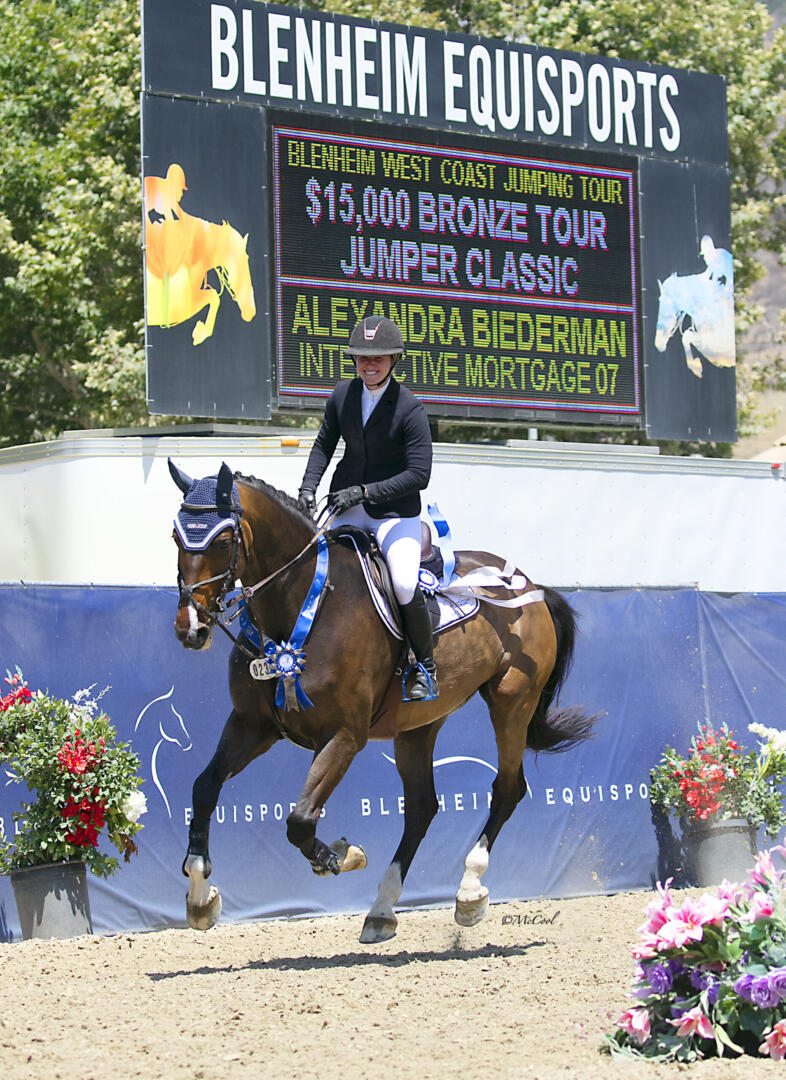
x: 306, y: 502
x: 345, y: 498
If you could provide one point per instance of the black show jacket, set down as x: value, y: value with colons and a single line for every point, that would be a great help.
x: 391, y: 456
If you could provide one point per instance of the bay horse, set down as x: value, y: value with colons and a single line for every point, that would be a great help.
x: 517, y: 658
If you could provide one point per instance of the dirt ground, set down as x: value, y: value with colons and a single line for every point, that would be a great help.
x: 528, y: 993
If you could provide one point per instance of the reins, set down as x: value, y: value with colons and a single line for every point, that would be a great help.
x: 229, y: 576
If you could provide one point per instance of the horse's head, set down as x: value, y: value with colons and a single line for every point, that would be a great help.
x: 239, y: 274
x: 212, y: 550
x: 670, y: 311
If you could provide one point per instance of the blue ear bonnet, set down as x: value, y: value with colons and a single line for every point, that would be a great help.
x: 198, y: 528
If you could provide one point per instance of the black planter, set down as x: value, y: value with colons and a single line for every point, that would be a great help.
x: 52, y: 900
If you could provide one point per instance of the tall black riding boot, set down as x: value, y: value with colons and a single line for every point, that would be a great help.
x: 417, y: 627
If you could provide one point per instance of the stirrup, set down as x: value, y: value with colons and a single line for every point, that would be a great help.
x: 433, y: 692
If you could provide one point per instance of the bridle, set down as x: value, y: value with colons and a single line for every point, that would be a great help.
x: 228, y: 577
x: 220, y: 615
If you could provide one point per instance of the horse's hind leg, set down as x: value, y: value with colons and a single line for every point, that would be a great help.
x: 511, y: 706
x: 239, y: 744
x: 414, y: 752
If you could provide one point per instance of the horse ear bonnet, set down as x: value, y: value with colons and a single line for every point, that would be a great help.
x: 221, y: 499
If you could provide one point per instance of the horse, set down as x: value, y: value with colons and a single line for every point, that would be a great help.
x: 709, y: 306
x: 180, y: 250
x: 516, y: 657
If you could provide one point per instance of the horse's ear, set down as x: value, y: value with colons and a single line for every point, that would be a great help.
x: 224, y: 486
x: 660, y: 287
x: 183, y: 482
x: 245, y: 242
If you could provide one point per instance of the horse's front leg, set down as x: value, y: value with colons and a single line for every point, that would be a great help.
x: 204, y: 327
x: 327, y: 769
x: 689, y: 336
x: 241, y: 741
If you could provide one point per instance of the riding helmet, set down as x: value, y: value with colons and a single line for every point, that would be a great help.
x: 376, y: 336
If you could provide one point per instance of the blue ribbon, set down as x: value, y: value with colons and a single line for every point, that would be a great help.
x: 297, y: 640
x: 247, y: 628
x: 444, y: 542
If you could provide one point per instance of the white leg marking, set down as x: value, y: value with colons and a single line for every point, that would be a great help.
x: 388, y: 893
x: 199, y: 889
x: 475, y: 866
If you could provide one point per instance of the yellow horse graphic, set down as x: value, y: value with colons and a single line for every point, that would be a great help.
x: 180, y: 250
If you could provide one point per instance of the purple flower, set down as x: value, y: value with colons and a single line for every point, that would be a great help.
x: 706, y: 980
x: 742, y: 987
x: 762, y: 992
x: 778, y: 982
x: 676, y: 966
x: 659, y: 977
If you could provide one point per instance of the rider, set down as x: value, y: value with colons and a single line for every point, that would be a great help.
x: 376, y: 485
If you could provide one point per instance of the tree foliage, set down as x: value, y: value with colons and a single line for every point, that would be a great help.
x: 71, y: 318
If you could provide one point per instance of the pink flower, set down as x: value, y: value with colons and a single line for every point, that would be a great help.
x: 646, y: 948
x: 713, y: 908
x: 636, y: 1022
x: 686, y: 923
x: 762, y: 906
x: 764, y: 873
x: 727, y: 890
x: 657, y: 911
x: 694, y: 1022
x: 775, y: 1043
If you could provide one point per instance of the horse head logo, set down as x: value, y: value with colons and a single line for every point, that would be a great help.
x: 172, y: 732
x: 189, y: 262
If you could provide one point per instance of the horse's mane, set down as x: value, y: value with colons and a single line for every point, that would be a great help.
x: 277, y: 496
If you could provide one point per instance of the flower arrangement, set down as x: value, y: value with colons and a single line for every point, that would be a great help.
x: 711, y: 977
x: 84, y: 779
x: 719, y: 779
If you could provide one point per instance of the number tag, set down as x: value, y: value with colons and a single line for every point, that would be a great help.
x: 260, y: 669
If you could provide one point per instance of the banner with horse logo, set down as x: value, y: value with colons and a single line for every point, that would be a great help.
x: 584, y: 826
x: 205, y: 236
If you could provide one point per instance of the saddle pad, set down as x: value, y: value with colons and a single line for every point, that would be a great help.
x: 450, y: 611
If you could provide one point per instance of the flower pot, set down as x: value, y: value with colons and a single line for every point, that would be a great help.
x: 720, y: 849
x: 52, y: 900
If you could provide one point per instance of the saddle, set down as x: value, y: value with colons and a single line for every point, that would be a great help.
x: 443, y: 612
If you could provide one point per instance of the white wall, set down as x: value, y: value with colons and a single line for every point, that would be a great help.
x: 99, y: 510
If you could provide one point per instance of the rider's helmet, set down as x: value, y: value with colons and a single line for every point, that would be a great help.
x: 376, y: 336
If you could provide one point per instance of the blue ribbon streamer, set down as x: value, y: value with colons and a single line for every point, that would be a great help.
x: 305, y: 621
x: 444, y: 542
x: 247, y: 628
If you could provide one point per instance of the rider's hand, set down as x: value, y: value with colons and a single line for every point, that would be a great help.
x: 345, y: 498
x: 306, y: 502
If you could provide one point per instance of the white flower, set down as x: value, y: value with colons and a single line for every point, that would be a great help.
x: 134, y: 806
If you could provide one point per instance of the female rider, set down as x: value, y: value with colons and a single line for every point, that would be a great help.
x: 376, y: 485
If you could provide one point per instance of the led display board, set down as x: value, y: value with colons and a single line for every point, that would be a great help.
x: 551, y: 230
x: 511, y: 275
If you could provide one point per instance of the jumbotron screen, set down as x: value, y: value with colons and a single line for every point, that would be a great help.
x: 512, y: 276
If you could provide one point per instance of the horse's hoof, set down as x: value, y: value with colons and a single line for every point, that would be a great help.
x: 204, y: 916
x: 350, y: 856
x: 471, y: 912
x: 378, y: 928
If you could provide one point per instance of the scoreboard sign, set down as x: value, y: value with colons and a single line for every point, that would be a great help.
x: 525, y: 216
x: 512, y: 278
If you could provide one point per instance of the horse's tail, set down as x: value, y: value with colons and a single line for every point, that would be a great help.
x: 563, y: 729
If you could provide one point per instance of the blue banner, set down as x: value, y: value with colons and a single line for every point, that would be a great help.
x: 654, y: 663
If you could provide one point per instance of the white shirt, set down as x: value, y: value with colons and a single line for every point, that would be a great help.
x: 369, y: 399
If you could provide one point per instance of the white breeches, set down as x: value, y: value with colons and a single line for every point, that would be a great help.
x: 399, y: 542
